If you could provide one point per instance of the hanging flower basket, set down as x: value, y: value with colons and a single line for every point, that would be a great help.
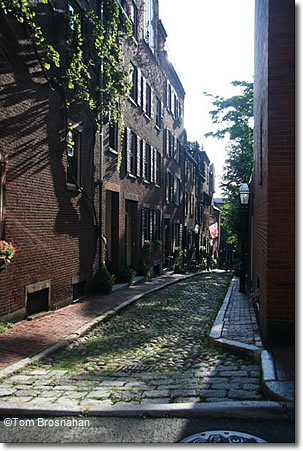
x: 7, y: 251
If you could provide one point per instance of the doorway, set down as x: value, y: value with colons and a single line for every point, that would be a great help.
x: 130, y: 232
x: 112, y: 231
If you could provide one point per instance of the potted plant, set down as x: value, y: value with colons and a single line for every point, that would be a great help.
x: 158, y: 243
x: 104, y: 281
x: 127, y: 275
x: 7, y: 251
x: 143, y: 269
x: 147, y: 244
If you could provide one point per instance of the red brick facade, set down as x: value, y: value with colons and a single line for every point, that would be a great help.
x: 273, y: 177
x: 50, y: 223
x: 55, y: 223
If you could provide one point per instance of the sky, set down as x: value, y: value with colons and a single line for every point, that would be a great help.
x: 211, y: 44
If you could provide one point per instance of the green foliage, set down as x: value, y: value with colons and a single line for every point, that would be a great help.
x: 126, y: 275
x: 7, y: 251
x: 143, y: 269
x: 236, y: 114
x: 4, y: 327
x: 76, y: 76
x: 104, y: 281
x: 178, y: 252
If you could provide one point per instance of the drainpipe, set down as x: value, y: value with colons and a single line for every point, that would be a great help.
x: 100, y: 175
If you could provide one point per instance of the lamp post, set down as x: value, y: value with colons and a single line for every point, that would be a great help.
x: 244, y: 199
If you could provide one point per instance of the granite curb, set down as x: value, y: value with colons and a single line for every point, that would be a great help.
x: 232, y: 409
x: 273, y: 389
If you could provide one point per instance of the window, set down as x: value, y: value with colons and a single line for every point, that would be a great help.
x: 147, y: 162
x: 148, y: 99
x: 176, y: 107
x: 149, y: 36
x: 177, y: 190
x: 150, y: 225
x: 185, y: 204
x: 158, y: 112
x: 145, y: 225
x: 157, y: 225
x: 168, y: 96
x: 191, y: 205
x: 168, y: 143
x: 158, y: 168
x: 177, y: 230
x: 131, y: 151
x: 134, y: 79
x: 132, y: 13
x: 113, y: 135
x: 73, y: 173
x: 176, y: 148
x: 169, y: 188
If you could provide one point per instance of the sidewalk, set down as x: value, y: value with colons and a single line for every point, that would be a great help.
x: 235, y: 329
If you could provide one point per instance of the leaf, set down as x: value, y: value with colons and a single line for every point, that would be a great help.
x: 47, y: 66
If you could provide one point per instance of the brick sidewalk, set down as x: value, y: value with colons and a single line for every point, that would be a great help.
x: 28, y: 338
x: 240, y: 321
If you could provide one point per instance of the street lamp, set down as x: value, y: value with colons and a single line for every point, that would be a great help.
x: 244, y: 199
x: 244, y: 194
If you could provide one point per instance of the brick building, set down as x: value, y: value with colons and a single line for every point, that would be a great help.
x: 272, y: 218
x: 142, y: 202
x: 52, y: 204
x: 48, y: 219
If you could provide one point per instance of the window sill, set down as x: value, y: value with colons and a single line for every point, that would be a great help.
x: 146, y: 181
x: 157, y: 128
x: 111, y: 150
x: 147, y: 116
x: 130, y: 175
x: 157, y: 186
x: 132, y: 101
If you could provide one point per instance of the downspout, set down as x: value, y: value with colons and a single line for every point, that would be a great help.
x: 100, y: 175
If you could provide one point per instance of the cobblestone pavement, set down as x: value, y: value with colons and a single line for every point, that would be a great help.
x: 155, y: 351
x: 27, y: 338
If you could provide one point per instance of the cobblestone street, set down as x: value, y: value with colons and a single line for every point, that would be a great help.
x: 155, y: 351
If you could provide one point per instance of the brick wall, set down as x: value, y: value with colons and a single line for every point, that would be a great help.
x: 273, y: 181
x: 52, y: 227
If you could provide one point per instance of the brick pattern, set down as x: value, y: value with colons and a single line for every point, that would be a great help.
x: 273, y: 178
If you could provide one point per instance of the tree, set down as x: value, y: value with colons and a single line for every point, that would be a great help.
x: 235, y: 113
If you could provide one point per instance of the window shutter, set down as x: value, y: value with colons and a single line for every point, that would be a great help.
x: 167, y: 94
x: 167, y: 187
x: 138, y: 152
x: 160, y: 169
x: 151, y: 225
x: 168, y: 139
x: 143, y: 223
x: 152, y: 165
x: 128, y: 149
x: 143, y: 158
x: 138, y: 87
x: 174, y: 146
x: 143, y: 91
x: 152, y: 106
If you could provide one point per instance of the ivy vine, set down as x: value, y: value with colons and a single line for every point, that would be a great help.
x: 75, y: 77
